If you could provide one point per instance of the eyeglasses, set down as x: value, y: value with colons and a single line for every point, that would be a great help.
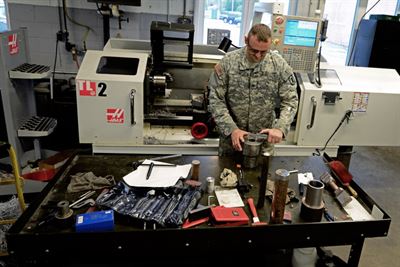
x: 255, y: 51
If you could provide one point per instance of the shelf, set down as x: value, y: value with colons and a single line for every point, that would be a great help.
x: 6, y: 181
x: 3, y: 253
x: 37, y: 126
x: 30, y: 71
x: 9, y: 221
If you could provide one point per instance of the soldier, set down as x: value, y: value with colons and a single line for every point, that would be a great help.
x: 245, y: 88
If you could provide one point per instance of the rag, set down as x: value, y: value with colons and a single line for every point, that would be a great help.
x: 228, y: 178
x: 83, y: 181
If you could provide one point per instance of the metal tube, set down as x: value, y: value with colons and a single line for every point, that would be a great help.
x: 263, y: 179
x: 314, y: 192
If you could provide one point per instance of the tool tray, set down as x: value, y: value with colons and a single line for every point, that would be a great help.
x: 135, y: 243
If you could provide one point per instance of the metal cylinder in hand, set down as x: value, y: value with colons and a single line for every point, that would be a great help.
x: 251, y: 151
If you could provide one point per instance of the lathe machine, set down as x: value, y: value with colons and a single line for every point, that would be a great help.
x: 151, y: 97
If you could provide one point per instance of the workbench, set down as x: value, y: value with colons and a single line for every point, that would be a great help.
x: 130, y: 243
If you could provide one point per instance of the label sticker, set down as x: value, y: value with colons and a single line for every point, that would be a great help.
x: 87, y: 88
x: 115, y: 115
x: 13, y: 44
x: 360, y: 102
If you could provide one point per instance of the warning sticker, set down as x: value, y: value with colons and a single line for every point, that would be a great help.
x: 115, y: 115
x: 13, y: 44
x: 87, y: 88
x: 360, y: 102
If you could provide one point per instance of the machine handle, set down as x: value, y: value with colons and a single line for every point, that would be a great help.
x: 132, y: 98
x: 314, y: 109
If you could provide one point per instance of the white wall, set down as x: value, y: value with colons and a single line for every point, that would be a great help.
x: 41, y: 19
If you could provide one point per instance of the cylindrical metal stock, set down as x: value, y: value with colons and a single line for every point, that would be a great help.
x: 263, y: 179
x: 251, y: 151
x: 195, y: 169
x: 314, y: 191
x: 281, y: 183
x: 312, y: 204
x: 210, y: 184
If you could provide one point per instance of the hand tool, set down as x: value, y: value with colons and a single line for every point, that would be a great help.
x: 256, y: 220
x: 82, y: 198
x: 242, y: 186
x: 149, y: 171
x: 341, y: 195
x: 343, y: 174
x: 89, y: 201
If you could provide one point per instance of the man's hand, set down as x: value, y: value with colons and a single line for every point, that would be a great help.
x: 237, y: 137
x: 274, y: 135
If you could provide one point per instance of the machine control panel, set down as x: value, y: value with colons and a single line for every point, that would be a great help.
x: 297, y: 40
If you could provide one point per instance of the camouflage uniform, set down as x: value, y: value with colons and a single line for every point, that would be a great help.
x: 244, y: 96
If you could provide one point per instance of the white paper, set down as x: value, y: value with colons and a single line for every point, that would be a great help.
x: 304, y: 178
x: 356, y: 211
x: 228, y: 197
x: 160, y: 176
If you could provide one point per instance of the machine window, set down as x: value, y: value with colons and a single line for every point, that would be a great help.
x: 118, y: 65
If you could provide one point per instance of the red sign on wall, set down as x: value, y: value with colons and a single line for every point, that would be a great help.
x: 13, y: 44
x: 115, y: 115
x: 87, y: 88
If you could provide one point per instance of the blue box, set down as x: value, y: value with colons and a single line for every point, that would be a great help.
x: 95, y: 221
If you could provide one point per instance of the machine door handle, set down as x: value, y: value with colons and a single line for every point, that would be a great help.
x: 132, y: 100
x: 314, y: 109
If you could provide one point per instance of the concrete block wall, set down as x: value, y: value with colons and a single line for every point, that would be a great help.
x: 42, y: 22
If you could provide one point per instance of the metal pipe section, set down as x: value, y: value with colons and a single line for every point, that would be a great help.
x: 251, y: 151
x: 312, y: 204
x: 281, y: 183
x: 314, y: 192
x: 263, y: 179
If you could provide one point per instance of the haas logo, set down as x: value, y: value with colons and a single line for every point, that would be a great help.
x: 115, y: 115
x: 13, y: 44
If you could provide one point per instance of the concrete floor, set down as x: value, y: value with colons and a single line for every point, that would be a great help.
x: 377, y: 170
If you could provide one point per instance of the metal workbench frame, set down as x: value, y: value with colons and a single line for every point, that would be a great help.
x: 132, y: 244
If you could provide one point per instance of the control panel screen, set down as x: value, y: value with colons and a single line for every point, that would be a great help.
x: 300, y: 33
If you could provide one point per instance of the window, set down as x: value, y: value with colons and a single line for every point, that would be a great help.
x: 233, y: 18
x: 220, y: 18
x: 387, y: 7
x: 340, y: 15
x: 3, y: 17
x: 266, y: 6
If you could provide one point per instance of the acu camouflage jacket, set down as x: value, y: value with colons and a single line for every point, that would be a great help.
x: 245, y: 97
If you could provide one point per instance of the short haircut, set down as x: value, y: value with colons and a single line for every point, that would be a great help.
x: 261, y: 31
